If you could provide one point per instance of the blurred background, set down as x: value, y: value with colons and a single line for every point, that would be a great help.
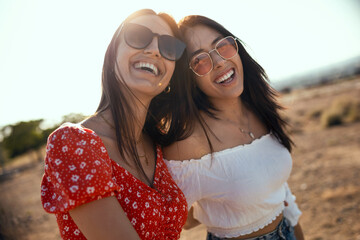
x: 51, y: 56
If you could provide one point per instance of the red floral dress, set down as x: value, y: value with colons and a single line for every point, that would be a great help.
x: 78, y: 170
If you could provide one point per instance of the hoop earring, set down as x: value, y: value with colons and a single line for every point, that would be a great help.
x: 167, y: 89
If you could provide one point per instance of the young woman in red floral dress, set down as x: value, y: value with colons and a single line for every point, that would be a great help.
x: 105, y: 177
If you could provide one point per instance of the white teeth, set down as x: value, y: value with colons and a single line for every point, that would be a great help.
x: 225, y: 76
x: 147, y: 65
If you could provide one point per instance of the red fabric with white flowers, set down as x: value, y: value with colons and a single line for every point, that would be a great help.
x: 78, y: 170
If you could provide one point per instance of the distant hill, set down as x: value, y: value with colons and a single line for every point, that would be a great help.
x: 344, y: 69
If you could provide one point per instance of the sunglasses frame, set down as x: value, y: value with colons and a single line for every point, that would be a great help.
x: 214, y: 49
x: 180, y: 43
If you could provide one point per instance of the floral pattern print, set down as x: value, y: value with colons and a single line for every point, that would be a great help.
x: 78, y: 170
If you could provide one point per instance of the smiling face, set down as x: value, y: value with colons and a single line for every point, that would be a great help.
x: 226, y: 80
x: 145, y: 71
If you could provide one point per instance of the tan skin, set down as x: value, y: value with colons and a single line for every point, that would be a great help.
x: 232, y: 115
x: 105, y: 218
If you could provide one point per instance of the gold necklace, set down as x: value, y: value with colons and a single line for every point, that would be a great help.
x: 140, y: 156
x: 243, y: 130
x: 247, y: 132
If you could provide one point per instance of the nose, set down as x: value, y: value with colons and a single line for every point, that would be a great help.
x: 218, y: 61
x: 153, y: 47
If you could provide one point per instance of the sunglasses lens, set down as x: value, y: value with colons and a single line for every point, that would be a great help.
x: 227, y: 47
x: 137, y: 36
x: 201, y: 64
x: 170, y: 47
x: 140, y: 37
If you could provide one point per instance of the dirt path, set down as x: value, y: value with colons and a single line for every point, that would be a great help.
x: 22, y: 216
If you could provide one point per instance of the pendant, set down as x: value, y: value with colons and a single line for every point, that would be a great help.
x: 251, y: 135
x: 248, y: 133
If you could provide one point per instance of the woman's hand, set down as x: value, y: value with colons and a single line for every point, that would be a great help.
x: 103, y: 219
x: 297, y: 228
x: 191, y: 222
x: 298, y: 232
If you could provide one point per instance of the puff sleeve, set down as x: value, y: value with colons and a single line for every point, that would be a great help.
x: 186, y: 176
x: 291, y: 212
x: 78, y: 170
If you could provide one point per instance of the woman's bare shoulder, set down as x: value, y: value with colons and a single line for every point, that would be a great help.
x: 193, y: 147
x: 96, y: 124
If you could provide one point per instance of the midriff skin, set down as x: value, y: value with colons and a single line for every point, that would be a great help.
x: 269, y: 228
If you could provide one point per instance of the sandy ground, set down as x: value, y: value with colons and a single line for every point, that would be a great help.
x: 325, y: 176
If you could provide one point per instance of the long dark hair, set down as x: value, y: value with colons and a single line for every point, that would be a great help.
x: 115, y: 92
x: 258, y: 95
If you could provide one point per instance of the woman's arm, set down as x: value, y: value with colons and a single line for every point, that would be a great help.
x: 191, y: 222
x: 298, y: 232
x: 103, y: 219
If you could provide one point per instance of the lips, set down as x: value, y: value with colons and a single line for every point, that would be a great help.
x: 226, y: 77
x: 147, y: 66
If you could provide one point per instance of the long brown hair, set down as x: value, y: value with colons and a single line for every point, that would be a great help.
x: 114, y: 91
x: 258, y: 95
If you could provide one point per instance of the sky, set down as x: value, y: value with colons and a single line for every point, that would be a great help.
x: 51, y: 52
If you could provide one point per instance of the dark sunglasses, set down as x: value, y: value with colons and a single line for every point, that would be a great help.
x: 139, y: 37
x: 202, y: 63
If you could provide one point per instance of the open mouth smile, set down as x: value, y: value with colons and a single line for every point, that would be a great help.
x: 226, y: 77
x: 149, y: 67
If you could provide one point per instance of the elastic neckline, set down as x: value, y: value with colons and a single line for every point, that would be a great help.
x: 221, y: 152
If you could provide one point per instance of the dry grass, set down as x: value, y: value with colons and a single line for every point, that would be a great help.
x: 342, y: 110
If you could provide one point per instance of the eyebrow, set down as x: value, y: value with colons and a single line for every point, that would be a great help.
x: 202, y: 50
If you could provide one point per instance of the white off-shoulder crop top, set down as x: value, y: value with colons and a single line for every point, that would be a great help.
x: 238, y: 190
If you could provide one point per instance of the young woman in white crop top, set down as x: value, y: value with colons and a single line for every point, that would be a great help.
x: 233, y: 167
